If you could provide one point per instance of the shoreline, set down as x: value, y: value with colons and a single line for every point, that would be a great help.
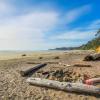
x: 6, y: 55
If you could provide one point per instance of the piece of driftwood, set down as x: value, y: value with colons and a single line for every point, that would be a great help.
x: 95, y: 56
x: 33, y: 63
x: 81, y: 65
x: 65, y: 86
x: 67, y: 65
x: 75, y: 65
x: 92, y: 81
x: 32, y: 69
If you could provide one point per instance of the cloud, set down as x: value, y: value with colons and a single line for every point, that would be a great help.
x: 26, y: 31
x: 5, y: 7
x: 75, y: 35
x: 76, y: 13
x: 95, y: 25
x: 72, y: 38
x: 78, y: 35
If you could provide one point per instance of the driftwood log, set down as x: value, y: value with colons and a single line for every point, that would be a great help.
x: 76, y: 65
x: 33, y: 63
x: 95, y: 56
x: 81, y: 65
x: 31, y: 70
x: 65, y: 86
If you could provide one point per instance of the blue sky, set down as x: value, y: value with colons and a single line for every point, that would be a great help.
x: 45, y: 24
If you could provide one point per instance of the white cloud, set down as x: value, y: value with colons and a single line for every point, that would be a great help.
x: 95, y: 25
x: 5, y: 7
x: 73, y: 38
x: 76, y: 13
x: 81, y: 33
x: 75, y: 35
x: 26, y: 31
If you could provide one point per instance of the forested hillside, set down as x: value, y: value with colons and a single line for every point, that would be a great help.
x: 93, y: 44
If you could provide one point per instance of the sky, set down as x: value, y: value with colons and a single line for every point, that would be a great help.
x: 46, y: 24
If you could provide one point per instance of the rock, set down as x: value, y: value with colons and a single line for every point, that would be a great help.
x: 57, y: 57
x: 24, y: 55
x: 40, y: 57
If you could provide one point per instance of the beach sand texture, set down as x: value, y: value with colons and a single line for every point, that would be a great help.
x: 14, y: 87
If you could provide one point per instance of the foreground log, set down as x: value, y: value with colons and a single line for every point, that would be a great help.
x: 32, y: 69
x: 92, y: 81
x: 65, y: 86
x: 95, y: 56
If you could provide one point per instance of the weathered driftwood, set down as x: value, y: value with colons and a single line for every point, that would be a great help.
x: 32, y: 69
x: 45, y: 62
x: 93, y: 81
x: 76, y: 65
x: 65, y: 86
x: 95, y: 56
x: 81, y: 65
x: 33, y: 63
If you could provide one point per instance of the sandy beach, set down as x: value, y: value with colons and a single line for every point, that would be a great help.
x: 14, y: 87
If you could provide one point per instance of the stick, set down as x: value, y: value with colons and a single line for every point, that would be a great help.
x: 33, y: 69
x: 65, y: 86
x: 75, y: 65
x: 81, y: 65
x: 32, y: 63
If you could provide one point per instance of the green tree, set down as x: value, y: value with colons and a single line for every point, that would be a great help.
x: 94, y: 43
x: 98, y: 33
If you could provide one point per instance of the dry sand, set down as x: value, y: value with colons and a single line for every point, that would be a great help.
x: 14, y: 87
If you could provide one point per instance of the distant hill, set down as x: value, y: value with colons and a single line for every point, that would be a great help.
x: 65, y: 48
x: 93, y: 44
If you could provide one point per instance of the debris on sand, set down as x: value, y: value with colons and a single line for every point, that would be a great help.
x: 92, y: 57
x: 57, y: 57
x: 67, y: 75
x: 76, y: 65
x: 67, y: 65
x: 40, y: 57
x: 81, y: 65
x: 33, y: 63
x: 13, y: 86
x: 23, y: 55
